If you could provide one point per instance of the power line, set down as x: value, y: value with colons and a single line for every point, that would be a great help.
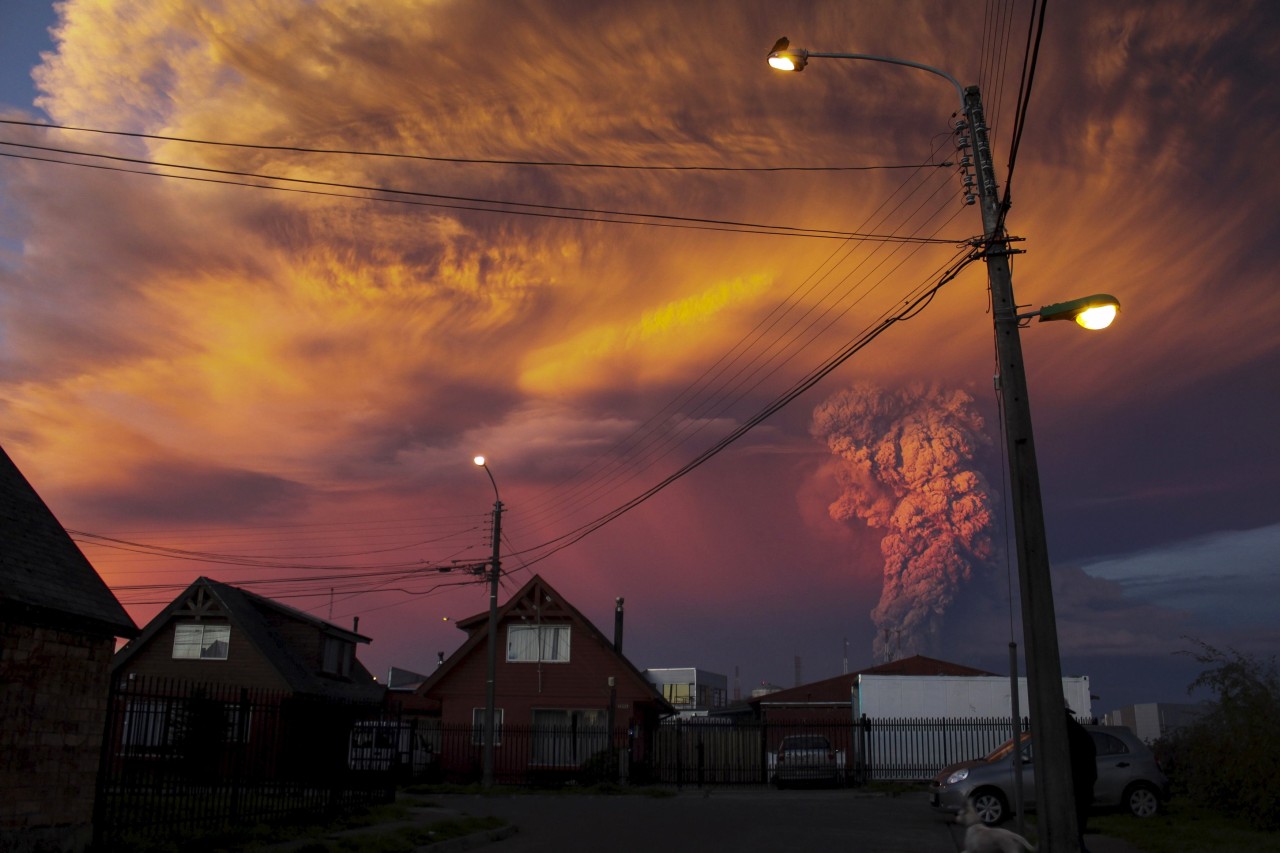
x: 460, y: 160
x: 452, y: 202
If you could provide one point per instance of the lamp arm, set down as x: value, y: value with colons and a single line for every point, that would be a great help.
x: 493, y: 481
x: 894, y: 61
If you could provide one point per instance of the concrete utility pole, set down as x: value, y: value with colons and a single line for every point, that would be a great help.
x: 495, y: 572
x: 1055, y: 795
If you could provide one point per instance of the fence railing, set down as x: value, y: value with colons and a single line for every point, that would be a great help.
x: 181, y: 758
x: 706, y: 751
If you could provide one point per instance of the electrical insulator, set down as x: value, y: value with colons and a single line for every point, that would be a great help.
x: 962, y: 142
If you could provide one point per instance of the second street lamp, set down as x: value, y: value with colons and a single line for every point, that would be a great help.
x: 495, y: 572
x: 1059, y: 831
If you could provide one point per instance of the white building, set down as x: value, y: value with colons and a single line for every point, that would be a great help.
x: 693, y: 692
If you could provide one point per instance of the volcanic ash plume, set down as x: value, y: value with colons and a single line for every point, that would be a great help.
x: 908, y: 467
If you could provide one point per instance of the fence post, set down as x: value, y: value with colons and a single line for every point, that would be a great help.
x: 764, y: 750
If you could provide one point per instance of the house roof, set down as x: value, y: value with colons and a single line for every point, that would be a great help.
x: 839, y: 689
x: 250, y: 613
x: 536, y: 596
x: 43, y: 574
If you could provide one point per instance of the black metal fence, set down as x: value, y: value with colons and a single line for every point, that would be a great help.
x: 702, y: 751
x: 179, y: 758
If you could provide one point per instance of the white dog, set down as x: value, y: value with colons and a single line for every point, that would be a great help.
x: 980, y: 838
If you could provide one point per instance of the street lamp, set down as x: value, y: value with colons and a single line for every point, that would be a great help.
x: 1059, y: 831
x: 495, y: 571
x: 1090, y: 312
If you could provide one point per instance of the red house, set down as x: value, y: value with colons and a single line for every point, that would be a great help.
x: 566, y: 698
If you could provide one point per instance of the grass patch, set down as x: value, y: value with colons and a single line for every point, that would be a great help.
x: 1184, y: 827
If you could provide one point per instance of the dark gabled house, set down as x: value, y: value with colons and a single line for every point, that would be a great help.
x: 217, y: 634
x: 224, y: 683
x: 58, y: 628
x: 564, y: 691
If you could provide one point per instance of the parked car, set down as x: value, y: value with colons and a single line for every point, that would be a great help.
x: 1129, y: 777
x: 807, y: 759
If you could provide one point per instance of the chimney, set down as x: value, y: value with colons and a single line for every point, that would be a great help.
x: 617, y: 625
x: 355, y: 624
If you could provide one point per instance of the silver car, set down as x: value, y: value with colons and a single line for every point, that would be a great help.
x: 1128, y: 777
x: 807, y: 759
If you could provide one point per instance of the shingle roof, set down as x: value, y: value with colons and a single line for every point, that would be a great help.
x: 43, y: 574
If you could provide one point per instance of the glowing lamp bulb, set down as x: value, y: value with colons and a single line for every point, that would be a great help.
x: 1098, y: 317
x: 480, y: 461
x: 782, y: 62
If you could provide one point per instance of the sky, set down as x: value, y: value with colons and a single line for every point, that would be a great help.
x: 286, y: 267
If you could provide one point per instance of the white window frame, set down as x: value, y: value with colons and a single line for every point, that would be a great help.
x: 477, y: 726
x: 538, y: 643
x: 566, y: 737
x: 194, y: 641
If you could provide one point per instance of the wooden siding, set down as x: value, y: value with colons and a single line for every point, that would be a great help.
x: 245, y: 666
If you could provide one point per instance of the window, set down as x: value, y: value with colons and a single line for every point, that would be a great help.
x: 151, y: 725
x: 201, y: 642
x: 338, y: 655
x: 566, y: 738
x: 477, y: 726
x: 544, y: 643
x: 1105, y: 744
x: 678, y: 694
x: 146, y: 725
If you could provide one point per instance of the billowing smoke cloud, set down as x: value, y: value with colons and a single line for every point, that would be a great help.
x: 909, y: 469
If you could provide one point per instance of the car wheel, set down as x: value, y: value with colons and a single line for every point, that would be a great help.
x: 1142, y: 800
x: 990, y: 806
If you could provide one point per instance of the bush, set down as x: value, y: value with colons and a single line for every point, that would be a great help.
x: 1229, y: 759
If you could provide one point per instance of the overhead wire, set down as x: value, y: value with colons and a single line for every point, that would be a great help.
x: 417, y: 197
x: 296, y: 149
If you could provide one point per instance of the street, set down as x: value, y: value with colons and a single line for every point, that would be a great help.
x: 742, y: 821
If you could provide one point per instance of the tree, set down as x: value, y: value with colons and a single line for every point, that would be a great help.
x: 1229, y: 759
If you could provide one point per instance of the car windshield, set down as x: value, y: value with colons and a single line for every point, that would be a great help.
x: 815, y: 742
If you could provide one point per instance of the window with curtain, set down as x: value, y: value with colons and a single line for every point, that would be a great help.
x: 477, y: 726
x: 201, y: 642
x: 545, y: 643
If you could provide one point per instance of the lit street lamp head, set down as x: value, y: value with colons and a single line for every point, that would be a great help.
x: 1090, y: 312
x: 783, y: 58
x: 480, y: 461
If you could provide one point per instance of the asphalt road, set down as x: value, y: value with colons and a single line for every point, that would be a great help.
x: 719, y: 820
